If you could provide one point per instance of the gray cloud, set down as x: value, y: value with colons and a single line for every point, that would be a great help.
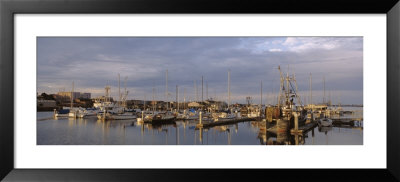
x: 93, y: 62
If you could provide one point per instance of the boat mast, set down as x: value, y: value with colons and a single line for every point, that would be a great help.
x: 323, y: 100
x: 229, y: 88
x: 72, y: 95
x: 297, y: 88
x: 125, y: 93
x: 206, y: 90
x: 184, y: 98
x: 261, y: 95
x: 166, y: 88
x: 153, y: 102
x: 287, y: 86
x: 144, y: 102
x: 202, y: 89
x: 119, y: 91
x: 215, y: 94
x: 311, y: 91
x: 281, y: 87
x: 177, y: 103
x: 196, y: 91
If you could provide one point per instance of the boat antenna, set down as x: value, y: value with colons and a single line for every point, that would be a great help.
x: 166, y: 88
x: 229, y: 88
x: 72, y: 95
x: 119, y: 90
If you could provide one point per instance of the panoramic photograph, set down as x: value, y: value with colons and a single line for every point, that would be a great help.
x: 199, y: 91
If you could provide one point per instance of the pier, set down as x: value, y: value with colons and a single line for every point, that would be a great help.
x: 304, y: 129
x: 224, y: 122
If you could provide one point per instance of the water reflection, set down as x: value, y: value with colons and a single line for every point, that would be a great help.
x: 65, y: 131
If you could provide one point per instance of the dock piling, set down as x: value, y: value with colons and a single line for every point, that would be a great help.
x: 296, y: 121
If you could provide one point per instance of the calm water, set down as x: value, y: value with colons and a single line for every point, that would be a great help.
x: 90, y: 131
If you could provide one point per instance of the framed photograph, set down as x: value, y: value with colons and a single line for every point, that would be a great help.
x: 147, y: 90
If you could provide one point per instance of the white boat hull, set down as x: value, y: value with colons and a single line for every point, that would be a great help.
x: 116, y: 116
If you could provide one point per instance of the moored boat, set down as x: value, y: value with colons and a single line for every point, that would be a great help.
x: 116, y: 116
x: 325, y: 122
x: 162, y: 118
x: 61, y: 113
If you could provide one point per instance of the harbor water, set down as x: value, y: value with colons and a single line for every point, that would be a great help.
x: 91, y: 131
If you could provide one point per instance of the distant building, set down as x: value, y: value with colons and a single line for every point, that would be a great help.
x: 76, y: 95
x: 102, y: 99
x: 46, y: 103
x: 67, y: 95
x: 194, y: 104
x: 85, y: 96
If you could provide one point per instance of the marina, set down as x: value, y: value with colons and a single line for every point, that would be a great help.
x: 91, y: 131
x: 292, y: 110
x: 285, y: 123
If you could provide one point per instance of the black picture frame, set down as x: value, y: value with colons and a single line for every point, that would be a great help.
x: 8, y: 8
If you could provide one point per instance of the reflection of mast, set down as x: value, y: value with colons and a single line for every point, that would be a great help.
x: 201, y: 135
x: 236, y: 128
x: 229, y: 136
x: 177, y: 135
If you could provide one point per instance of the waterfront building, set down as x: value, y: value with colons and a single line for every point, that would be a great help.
x: 85, y: 95
x: 76, y: 95
x: 67, y: 95
x: 46, y: 103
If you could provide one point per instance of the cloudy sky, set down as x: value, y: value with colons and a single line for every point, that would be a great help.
x: 94, y: 62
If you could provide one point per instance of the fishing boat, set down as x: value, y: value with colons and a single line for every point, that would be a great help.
x: 118, y: 111
x: 110, y: 111
x: 289, y: 102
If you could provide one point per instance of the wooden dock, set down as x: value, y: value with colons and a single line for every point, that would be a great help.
x: 224, y: 122
x: 345, y: 121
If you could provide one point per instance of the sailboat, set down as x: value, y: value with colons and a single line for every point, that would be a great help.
x: 163, y: 118
x: 68, y: 111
